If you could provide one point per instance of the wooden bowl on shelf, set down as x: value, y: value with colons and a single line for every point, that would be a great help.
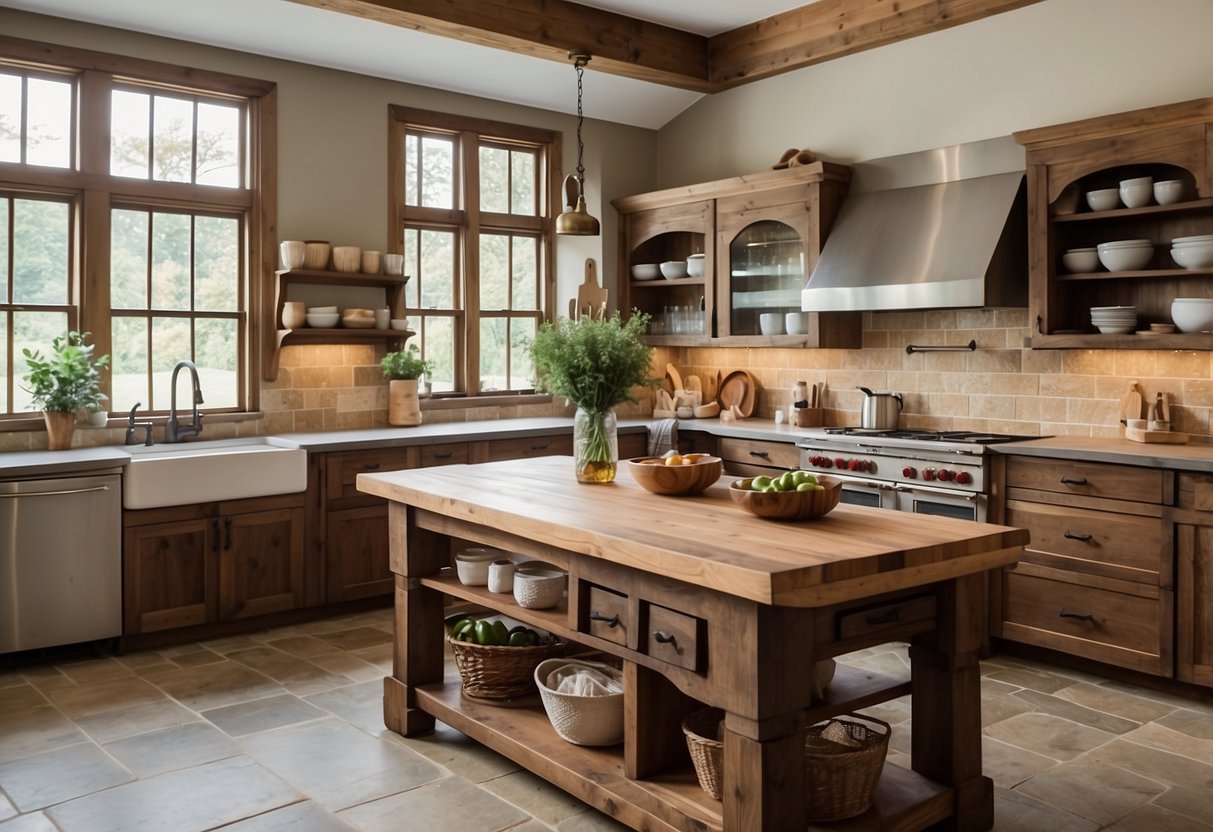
x: 787, y: 505
x: 687, y: 477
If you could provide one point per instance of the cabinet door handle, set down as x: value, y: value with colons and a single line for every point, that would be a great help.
x: 1074, y: 480
x: 214, y: 535
x: 890, y: 617
x: 761, y: 454
x: 611, y: 622
x: 227, y: 532
x: 1069, y: 535
x: 665, y: 638
x: 371, y: 466
x: 1081, y: 616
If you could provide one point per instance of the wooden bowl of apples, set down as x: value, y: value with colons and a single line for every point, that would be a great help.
x: 796, y: 495
x: 676, y: 474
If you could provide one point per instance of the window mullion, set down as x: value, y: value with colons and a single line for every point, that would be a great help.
x: 469, y: 146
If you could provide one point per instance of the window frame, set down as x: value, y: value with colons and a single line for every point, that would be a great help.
x: 96, y: 192
x: 466, y: 218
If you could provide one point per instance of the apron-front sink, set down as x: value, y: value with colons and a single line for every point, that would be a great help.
x: 202, y: 472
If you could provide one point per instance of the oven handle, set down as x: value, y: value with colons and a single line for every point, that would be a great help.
x: 970, y: 496
x: 874, y: 484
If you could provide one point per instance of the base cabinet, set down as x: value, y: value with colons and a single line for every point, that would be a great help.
x: 1194, y: 579
x: 193, y: 565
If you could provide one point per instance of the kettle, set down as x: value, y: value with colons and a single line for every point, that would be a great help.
x: 880, y: 410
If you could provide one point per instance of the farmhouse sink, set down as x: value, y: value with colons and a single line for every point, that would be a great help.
x: 200, y: 472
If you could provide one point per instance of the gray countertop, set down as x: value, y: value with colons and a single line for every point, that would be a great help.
x: 1191, y: 457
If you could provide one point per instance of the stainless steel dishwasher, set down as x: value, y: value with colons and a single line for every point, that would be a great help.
x: 60, y: 561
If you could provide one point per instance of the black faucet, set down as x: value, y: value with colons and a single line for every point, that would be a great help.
x: 174, y: 431
x: 131, y: 424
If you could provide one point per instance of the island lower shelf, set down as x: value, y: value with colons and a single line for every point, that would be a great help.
x: 904, y: 800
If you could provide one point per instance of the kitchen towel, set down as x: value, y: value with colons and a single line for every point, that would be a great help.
x: 663, y: 436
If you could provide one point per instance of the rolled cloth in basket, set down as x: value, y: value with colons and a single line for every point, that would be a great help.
x: 574, y: 680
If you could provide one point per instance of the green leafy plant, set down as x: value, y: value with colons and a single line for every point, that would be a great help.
x: 595, y: 364
x: 404, y: 364
x: 69, y: 378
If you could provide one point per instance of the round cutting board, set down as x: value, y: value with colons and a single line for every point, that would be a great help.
x: 738, y: 388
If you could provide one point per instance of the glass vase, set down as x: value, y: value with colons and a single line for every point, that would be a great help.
x: 595, y: 445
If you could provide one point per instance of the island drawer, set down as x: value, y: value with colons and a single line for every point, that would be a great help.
x: 1124, y: 546
x: 343, y: 467
x: 673, y: 637
x: 1104, y: 619
x: 1091, y: 479
x: 894, y: 620
x: 606, y: 616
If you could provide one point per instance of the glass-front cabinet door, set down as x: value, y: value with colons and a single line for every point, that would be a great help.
x: 765, y: 275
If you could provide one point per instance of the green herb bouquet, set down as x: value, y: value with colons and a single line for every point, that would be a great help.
x: 594, y: 364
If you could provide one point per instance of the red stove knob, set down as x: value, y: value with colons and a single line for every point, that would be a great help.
x: 909, y: 473
x: 824, y: 462
x: 840, y: 462
x: 928, y: 474
x: 856, y: 465
x: 964, y: 477
x: 944, y: 475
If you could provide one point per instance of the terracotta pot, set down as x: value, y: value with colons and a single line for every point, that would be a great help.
x: 59, y: 430
x: 404, y: 405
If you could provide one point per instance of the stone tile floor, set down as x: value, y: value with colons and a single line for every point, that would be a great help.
x: 283, y: 729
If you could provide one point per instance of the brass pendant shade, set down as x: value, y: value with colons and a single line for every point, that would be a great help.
x: 576, y: 219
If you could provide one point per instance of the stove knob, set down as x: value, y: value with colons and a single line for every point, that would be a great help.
x: 840, y: 462
x: 944, y: 475
x: 928, y: 474
x: 855, y: 465
x: 964, y: 477
x: 909, y: 473
x: 824, y: 462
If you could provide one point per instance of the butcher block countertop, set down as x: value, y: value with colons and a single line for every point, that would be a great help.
x: 705, y: 540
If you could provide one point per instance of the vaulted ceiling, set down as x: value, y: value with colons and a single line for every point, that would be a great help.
x: 650, y: 59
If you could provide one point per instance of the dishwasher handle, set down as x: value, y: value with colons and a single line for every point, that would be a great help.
x: 6, y: 495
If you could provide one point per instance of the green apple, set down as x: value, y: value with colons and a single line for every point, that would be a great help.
x: 787, y: 482
x: 760, y: 483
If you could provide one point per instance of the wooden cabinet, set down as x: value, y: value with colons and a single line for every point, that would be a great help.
x: 755, y: 457
x: 1194, y: 579
x: 191, y: 565
x: 393, y: 288
x: 1066, y: 161
x: 1096, y: 580
x: 760, y: 235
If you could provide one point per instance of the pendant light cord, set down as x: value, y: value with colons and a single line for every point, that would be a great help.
x: 579, y: 62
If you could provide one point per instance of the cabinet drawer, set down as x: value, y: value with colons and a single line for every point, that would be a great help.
x: 607, y: 616
x: 1195, y: 492
x: 674, y: 637
x: 896, y: 620
x: 753, y: 452
x: 451, y: 453
x: 1118, y: 622
x: 1092, y: 479
x: 525, y: 447
x: 1102, y: 542
x: 343, y: 468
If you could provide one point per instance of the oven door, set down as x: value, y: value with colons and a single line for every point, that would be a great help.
x: 863, y: 492
x: 942, y: 502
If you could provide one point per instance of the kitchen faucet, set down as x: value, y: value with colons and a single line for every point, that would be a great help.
x: 131, y: 424
x: 173, y: 430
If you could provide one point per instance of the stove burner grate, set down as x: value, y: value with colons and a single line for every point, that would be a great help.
x: 923, y: 435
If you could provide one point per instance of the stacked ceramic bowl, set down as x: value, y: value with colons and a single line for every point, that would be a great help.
x: 1125, y: 255
x: 1192, y: 314
x: 1080, y: 260
x: 1114, y: 320
x: 1193, y: 252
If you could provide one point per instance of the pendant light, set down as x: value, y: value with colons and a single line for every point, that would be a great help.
x: 577, y: 220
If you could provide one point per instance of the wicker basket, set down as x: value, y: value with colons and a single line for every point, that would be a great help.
x: 840, y: 782
x: 493, y: 672
x: 582, y: 720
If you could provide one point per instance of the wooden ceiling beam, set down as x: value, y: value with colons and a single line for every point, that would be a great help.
x: 549, y: 29
x: 831, y: 29
x: 633, y: 48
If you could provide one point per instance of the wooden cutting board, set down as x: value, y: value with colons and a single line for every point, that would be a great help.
x: 1130, y: 403
x: 738, y: 389
x: 591, y: 298
x: 1160, y: 437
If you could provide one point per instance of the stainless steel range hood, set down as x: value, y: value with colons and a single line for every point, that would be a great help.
x: 939, y: 228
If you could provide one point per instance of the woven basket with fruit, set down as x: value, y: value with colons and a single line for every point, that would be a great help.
x: 497, y: 662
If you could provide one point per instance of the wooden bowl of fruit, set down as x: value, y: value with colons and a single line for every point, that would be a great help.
x: 676, y: 474
x: 796, y: 495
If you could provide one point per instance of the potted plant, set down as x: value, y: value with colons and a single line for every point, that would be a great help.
x: 67, y: 380
x: 595, y: 364
x: 403, y: 368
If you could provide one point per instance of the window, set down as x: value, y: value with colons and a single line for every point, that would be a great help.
x: 130, y: 207
x: 472, y: 202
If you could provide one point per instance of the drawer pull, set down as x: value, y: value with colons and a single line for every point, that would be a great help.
x: 890, y: 617
x: 540, y: 447
x: 665, y: 638
x: 446, y: 455
x: 371, y: 466
x: 611, y: 622
x: 761, y: 454
x: 1073, y: 480
x: 1081, y: 616
x: 1069, y: 535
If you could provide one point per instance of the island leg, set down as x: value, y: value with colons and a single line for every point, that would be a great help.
x: 946, y: 704
x: 417, y: 649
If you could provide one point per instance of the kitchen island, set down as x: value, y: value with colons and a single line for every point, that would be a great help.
x: 705, y: 605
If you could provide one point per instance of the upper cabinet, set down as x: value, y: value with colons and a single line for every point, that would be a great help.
x: 760, y: 236
x: 1065, y: 163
